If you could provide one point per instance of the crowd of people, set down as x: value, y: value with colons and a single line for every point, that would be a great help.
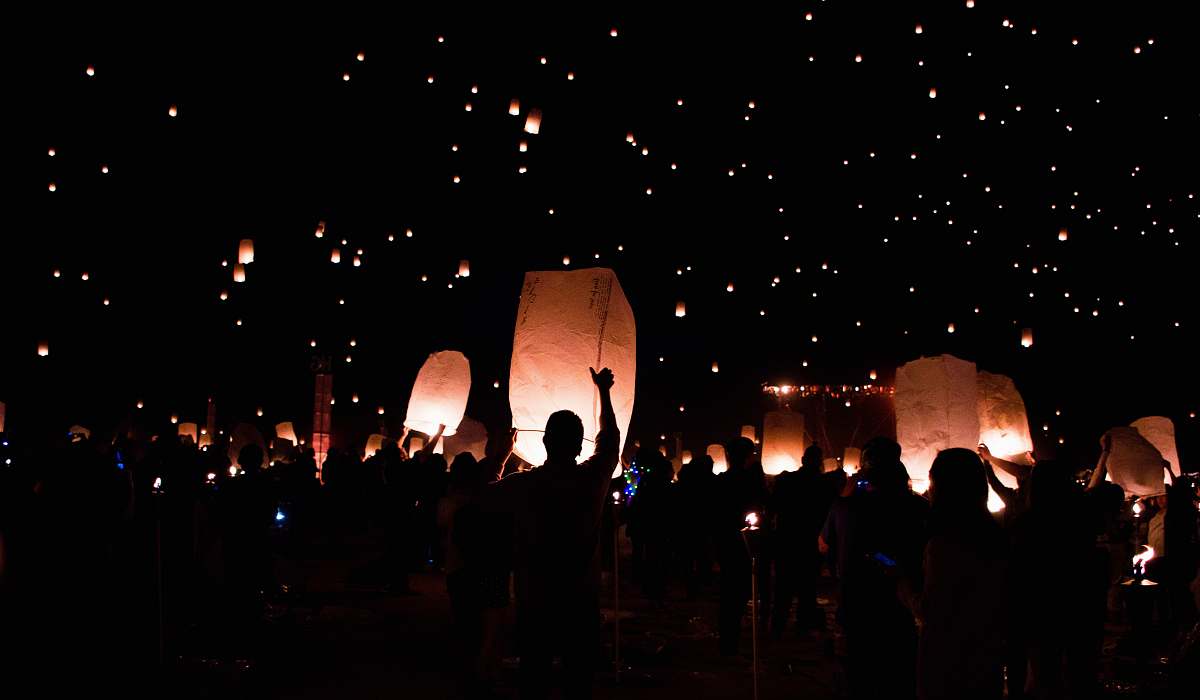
x: 936, y: 596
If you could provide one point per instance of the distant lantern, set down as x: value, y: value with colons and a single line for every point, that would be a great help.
x: 285, y: 431
x: 873, y: 375
x: 782, y: 441
x: 43, y: 349
x: 950, y: 328
x: 566, y: 323
x: 188, y: 430
x: 523, y: 146
x: 1026, y: 337
x: 533, y: 121
x: 851, y: 459
x: 566, y: 260
x: 246, y: 251
x: 335, y: 256
x: 173, y: 111
x: 361, y: 56
x: 717, y: 453
x: 982, y: 116
x: 680, y: 309
x: 932, y: 93
x: 514, y: 107
x: 239, y: 273
x: 919, y: 29
x: 1062, y: 234
x: 464, y: 268
x: 715, y: 367
x: 729, y: 287
x: 749, y: 432
x: 91, y: 71
x: 357, y: 262
x: 439, y: 394
x: 320, y: 232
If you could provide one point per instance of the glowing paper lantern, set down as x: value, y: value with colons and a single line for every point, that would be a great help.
x: 335, y: 256
x: 285, y: 431
x: 680, y: 309
x: 783, y: 441
x: 239, y: 273
x: 533, y: 121
x: 464, y: 268
x: 514, y: 107
x: 43, y: 349
x: 375, y: 443
x: 685, y: 457
x: 188, y: 430
x: 1160, y: 432
x: 2, y: 410
x: 1003, y: 424
x: 567, y: 322
x: 439, y: 395
x: 830, y: 464
x: 851, y: 459
x: 471, y: 437
x: 246, y: 251
x: 936, y: 408
x: 1134, y: 463
x: 416, y: 444
x: 1026, y: 337
x: 1062, y: 234
x: 717, y: 452
x: 750, y: 434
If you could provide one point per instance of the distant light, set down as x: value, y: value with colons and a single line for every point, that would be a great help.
x: 173, y: 111
x: 91, y: 71
x: 361, y: 57
x: 613, y: 32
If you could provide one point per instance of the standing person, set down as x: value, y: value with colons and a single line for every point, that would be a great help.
x: 692, y: 533
x: 962, y: 607
x: 798, y: 507
x: 649, y: 522
x: 738, y: 491
x: 556, y: 511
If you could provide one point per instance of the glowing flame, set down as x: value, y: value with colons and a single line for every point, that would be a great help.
x: 752, y: 521
x: 1139, y: 560
x: 1137, y: 508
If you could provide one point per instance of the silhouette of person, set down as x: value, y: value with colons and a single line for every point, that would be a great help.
x: 556, y: 511
x: 739, y: 490
x: 798, y: 506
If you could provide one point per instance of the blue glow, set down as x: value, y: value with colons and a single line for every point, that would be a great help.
x: 279, y: 516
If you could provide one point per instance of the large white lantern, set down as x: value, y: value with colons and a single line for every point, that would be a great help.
x: 471, y: 437
x: 1134, y: 463
x: 783, y: 441
x: 717, y: 452
x: 567, y: 322
x: 936, y: 409
x: 1160, y: 431
x: 1003, y: 424
x: 439, y: 395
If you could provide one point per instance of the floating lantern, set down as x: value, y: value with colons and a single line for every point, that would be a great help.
x: 950, y: 328
x: 189, y: 431
x: 1062, y: 234
x: 335, y: 256
x: 715, y: 368
x: 1160, y: 432
x: 851, y: 460
x: 464, y: 268
x: 829, y: 464
x: 246, y: 251
x: 533, y: 121
x: 514, y: 107
x: 416, y: 444
x: 567, y: 322
x: 285, y: 431
x: 717, y: 452
x: 1003, y: 423
x: 1026, y: 337
x: 523, y: 146
x: 439, y: 394
x: 375, y: 443
x: 2, y: 410
x: 749, y: 432
x: 680, y: 309
x: 320, y: 232
x: 873, y: 375
x: 43, y: 349
x: 1134, y: 463
x: 239, y: 273
x: 172, y: 111
x: 936, y: 408
x: 783, y: 441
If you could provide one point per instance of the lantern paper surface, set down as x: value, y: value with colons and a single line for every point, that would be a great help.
x: 936, y: 409
x: 566, y: 323
x: 1003, y: 424
x: 246, y: 251
x: 851, y: 459
x: 830, y: 464
x: 1134, y: 463
x: 471, y: 437
x: 1160, y: 432
x: 464, y: 268
x: 750, y: 433
x: 533, y: 121
x: 375, y: 443
x: 717, y: 452
x: 189, y: 430
x: 439, y: 395
x: 285, y: 431
x: 2, y: 410
x: 415, y: 445
x: 783, y: 441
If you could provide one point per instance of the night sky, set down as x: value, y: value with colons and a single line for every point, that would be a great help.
x: 896, y: 167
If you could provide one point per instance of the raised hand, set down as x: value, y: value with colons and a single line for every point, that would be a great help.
x: 602, y: 379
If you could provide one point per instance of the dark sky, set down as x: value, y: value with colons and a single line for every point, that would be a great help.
x: 1029, y: 133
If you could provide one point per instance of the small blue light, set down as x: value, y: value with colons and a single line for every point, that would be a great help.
x: 121, y: 466
x: 279, y: 516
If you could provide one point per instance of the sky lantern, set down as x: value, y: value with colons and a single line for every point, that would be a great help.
x: 533, y: 121
x: 335, y: 256
x: 750, y: 433
x: 43, y: 349
x: 285, y: 431
x: 1062, y: 234
x: 246, y: 251
x: 464, y: 268
x: 936, y: 403
x: 2, y: 410
x: 566, y: 323
x: 680, y: 309
x: 188, y: 430
x: 471, y: 437
x: 1026, y: 337
x: 783, y: 441
x: 375, y: 443
x: 439, y: 395
x: 851, y: 460
x: 1160, y: 432
x: 173, y: 111
x: 514, y: 107
x: 239, y: 273
x: 715, y: 367
x: 416, y: 443
x: 1003, y: 422
x: 1134, y: 463
x: 717, y: 453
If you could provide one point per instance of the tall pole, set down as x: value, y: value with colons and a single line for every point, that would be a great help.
x: 158, y: 576
x: 754, y: 621
x: 617, y: 586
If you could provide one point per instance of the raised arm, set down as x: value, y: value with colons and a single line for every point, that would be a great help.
x: 1006, y: 494
x: 608, y: 439
x: 433, y: 441
x: 1018, y: 471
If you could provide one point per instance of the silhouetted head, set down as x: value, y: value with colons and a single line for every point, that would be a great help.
x: 250, y: 457
x: 813, y: 459
x: 957, y: 481
x: 564, y: 437
x: 878, y: 451
x: 465, y: 473
x: 738, y: 453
